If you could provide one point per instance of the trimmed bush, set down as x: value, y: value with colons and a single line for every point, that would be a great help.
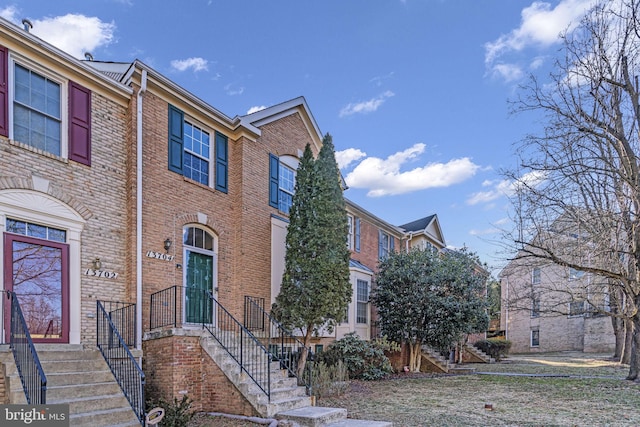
x: 494, y: 347
x: 329, y: 380
x: 364, y: 360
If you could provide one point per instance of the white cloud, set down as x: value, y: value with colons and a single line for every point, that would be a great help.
x: 508, y: 72
x: 72, y: 33
x: 383, y: 177
x: 255, y: 109
x: 540, y: 26
x: 484, y: 232
x: 366, y: 107
x: 196, y: 64
x: 9, y: 13
x: 345, y: 157
x: 505, y: 187
x: 233, y: 90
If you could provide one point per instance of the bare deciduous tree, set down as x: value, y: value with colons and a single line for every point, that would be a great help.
x: 577, y: 202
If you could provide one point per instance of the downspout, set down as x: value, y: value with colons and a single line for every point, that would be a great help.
x: 143, y: 89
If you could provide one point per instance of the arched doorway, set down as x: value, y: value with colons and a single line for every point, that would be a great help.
x: 200, y: 274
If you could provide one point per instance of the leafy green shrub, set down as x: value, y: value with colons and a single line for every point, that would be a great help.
x: 176, y: 414
x: 329, y: 380
x: 494, y: 347
x: 363, y: 359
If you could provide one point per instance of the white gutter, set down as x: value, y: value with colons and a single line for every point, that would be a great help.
x: 143, y: 88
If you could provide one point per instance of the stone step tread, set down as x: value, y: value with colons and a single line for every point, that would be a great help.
x: 350, y: 422
x: 315, y: 413
x: 89, y: 398
x: 117, y: 417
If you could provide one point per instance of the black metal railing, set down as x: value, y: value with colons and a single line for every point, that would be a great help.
x: 34, y: 381
x: 283, y: 346
x: 122, y: 363
x: 252, y: 356
x: 179, y: 305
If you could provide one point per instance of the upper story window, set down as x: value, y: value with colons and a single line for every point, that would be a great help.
x: 353, y: 238
x: 535, y: 276
x: 196, y: 162
x: 37, y: 111
x: 576, y: 308
x: 282, y: 181
x: 575, y: 274
x: 535, y: 307
x: 385, y: 244
x: 43, y: 110
x: 190, y: 152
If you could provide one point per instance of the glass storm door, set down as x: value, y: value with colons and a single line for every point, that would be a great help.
x: 37, y: 271
x: 198, y: 285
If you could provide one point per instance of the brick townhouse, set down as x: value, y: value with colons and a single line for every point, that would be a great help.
x: 118, y: 185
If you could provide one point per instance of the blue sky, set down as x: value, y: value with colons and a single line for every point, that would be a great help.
x: 414, y: 92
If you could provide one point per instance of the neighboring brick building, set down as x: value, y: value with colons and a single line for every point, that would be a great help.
x: 63, y: 194
x: 545, y: 308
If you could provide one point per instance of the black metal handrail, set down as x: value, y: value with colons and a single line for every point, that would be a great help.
x: 123, y: 316
x: 252, y: 356
x: 34, y: 381
x: 166, y: 308
x: 282, y: 344
x: 122, y: 363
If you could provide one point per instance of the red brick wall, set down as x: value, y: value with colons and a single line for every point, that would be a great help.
x: 176, y: 366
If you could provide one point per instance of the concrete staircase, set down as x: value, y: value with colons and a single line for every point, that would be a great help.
x: 477, y: 355
x: 433, y: 361
x: 77, y: 377
x: 288, y: 400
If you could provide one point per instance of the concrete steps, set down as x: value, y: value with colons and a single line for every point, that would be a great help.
x: 478, y: 355
x: 79, y: 378
x: 288, y: 400
x: 316, y: 416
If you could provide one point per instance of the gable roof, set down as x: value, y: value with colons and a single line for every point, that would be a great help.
x: 429, y: 226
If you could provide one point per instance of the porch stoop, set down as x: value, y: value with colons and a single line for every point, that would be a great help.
x: 288, y: 400
x: 77, y: 377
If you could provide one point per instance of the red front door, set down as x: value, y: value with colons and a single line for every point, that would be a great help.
x: 38, y: 272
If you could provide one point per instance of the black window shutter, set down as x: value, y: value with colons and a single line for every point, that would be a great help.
x: 222, y: 162
x: 274, y: 174
x: 176, y: 139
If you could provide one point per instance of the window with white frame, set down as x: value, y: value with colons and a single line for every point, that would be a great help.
x: 282, y: 181
x: 362, y: 296
x: 37, y: 110
x: 286, y: 185
x: 350, y: 235
x: 535, y: 338
x: 385, y: 244
x: 536, y: 276
x: 535, y: 307
x: 196, y: 160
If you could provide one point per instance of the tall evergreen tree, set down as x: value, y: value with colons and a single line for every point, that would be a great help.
x: 315, y: 289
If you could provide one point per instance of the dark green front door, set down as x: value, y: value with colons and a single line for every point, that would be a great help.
x: 198, y: 287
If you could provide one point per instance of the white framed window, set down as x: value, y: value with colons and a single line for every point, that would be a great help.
x: 535, y: 338
x: 385, y: 244
x: 286, y: 186
x: 535, y: 307
x: 362, y: 298
x: 37, y: 116
x: 350, y: 235
x: 536, y: 276
x: 197, y: 154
